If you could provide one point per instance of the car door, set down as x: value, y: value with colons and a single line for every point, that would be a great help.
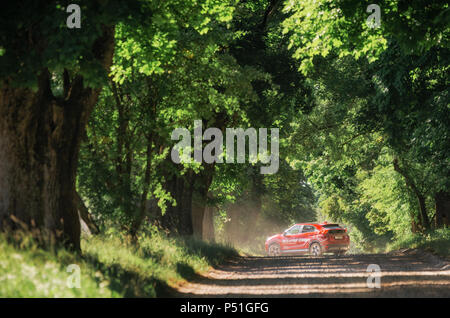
x: 308, y: 233
x: 291, y: 237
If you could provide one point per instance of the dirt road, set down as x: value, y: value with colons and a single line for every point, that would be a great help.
x: 403, y: 274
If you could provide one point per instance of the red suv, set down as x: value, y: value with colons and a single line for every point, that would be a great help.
x: 309, y: 238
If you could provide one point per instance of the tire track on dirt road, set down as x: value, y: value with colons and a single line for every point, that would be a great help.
x: 403, y: 274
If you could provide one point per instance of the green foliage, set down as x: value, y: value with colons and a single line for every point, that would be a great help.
x: 280, y: 93
x: 376, y: 99
x: 411, y: 106
x: 34, y: 37
x: 196, y: 79
x: 151, y: 46
x: 288, y: 197
x: 317, y: 28
x: 384, y: 191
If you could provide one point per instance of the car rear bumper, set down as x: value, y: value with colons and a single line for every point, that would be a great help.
x: 336, y: 247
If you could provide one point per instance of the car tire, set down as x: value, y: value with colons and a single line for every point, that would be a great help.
x: 274, y: 249
x: 315, y: 249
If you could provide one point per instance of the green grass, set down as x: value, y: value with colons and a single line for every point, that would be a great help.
x: 109, y: 266
x: 437, y: 242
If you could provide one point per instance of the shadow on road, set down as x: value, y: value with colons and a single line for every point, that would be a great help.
x: 326, y: 276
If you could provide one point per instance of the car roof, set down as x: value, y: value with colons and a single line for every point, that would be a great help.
x: 319, y: 224
x: 313, y: 224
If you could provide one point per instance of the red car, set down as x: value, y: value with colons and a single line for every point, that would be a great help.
x: 309, y: 238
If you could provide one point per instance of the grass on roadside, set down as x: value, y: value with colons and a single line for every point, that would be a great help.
x: 437, y: 242
x: 109, y: 266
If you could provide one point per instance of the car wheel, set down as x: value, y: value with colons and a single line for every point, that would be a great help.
x: 274, y: 249
x: 315, y: 249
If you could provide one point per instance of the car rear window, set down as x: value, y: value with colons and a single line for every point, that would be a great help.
x: 330, y: 226
x: 340, y: 231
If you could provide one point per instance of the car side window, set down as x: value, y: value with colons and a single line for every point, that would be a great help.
x: 293, y: 230
x: 308, y: 228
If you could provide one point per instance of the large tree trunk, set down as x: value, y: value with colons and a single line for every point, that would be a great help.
x: 190, y: 191
x: 202, y: 214
x: 177, y: 218
x: 39, y: 140
x: 442, y: 201
x: 201, y: 184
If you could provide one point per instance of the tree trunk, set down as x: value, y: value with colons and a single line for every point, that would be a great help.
x: 202, y: 214
x: 442, y: 201
x: 202, y: 182
x: 198, y: 212
x: 136, y: 224
x: 253, y: 200
x: 423, y: 215
x: 177, y: 218
x: 39, y: 140
x: 85, y: 215
x: 124, y: 155
x: 232, y: 225
x: 190, y: 191
x: 414, y: 226
x: 208, y: 224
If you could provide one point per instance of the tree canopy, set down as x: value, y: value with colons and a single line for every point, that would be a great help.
x: 87, y: 115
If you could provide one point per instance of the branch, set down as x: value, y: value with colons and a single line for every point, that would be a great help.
x: 269, y: 11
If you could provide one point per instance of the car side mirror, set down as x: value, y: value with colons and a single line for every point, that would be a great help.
x: 284, y: 233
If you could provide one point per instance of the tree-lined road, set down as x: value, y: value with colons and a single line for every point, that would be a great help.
x: 412, y: 274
